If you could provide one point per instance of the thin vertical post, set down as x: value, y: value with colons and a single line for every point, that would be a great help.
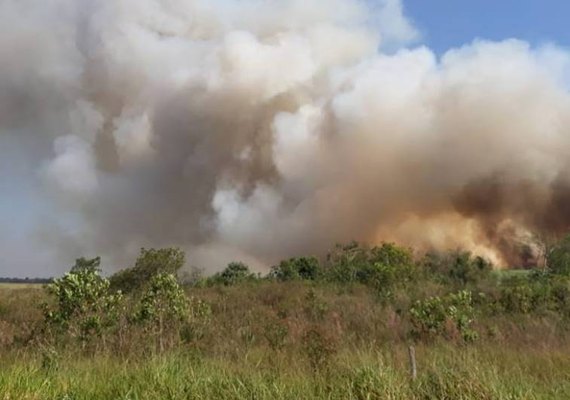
x: 413, y: 365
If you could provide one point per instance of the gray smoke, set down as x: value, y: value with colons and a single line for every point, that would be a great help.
x: 258, y: 130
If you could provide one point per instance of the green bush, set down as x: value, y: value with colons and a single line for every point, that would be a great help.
x: 162, y: 307
x: 444, y: 316
x: 517, y: 299
x: 84, y: 305
x: 391, y: 254
x: 149, y: 263
x: 457, y: 267
x: 344, y: 262
x: 302, y: 268
x: 535, y: 293
x: 382, y: 267
x: 235, y: 273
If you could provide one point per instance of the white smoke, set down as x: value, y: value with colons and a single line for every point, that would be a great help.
x: 259, y: 130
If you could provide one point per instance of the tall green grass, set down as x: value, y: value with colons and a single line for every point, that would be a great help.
x: 445, y: 372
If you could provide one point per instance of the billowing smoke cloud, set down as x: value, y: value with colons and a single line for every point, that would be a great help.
x: 258, y: 130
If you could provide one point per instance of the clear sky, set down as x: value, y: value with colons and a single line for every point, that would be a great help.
x: 452, y: 23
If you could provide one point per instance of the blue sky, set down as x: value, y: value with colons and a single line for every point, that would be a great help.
x: 452, y: 23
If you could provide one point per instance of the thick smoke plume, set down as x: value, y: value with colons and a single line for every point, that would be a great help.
x: 258, y: 130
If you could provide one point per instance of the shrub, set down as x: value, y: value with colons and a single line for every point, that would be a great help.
x: 149, y: 263
x: 517, y: 298
x: 344, y: 262
x: 235, y: 273
x: 163, y: 305
x: 391, y: 254
x: 384, y: 278
x: 302, y: 268
x: 537, y: 292
x: 439, y: 316
x: 381, y: 267
x: 457, y: 267
x: 84, y: 305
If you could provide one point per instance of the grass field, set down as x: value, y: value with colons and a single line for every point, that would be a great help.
x: 487, y: 372
x: 307, y: 332
x: 528, y: 359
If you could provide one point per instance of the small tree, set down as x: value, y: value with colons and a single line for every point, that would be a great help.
x: 84, y: 306
x: 382, y: 266
x: 235, y: 272
x: 304, y: 268
x: 164, y: 304
x: 391, y: 254
x: 457, y: 267
x: 436, y: 315
x: 149, y: 263
x: 345, y: 261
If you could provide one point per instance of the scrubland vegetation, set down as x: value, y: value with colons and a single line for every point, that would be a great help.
x: 338, y: 328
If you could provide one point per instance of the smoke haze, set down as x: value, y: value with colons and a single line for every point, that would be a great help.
x: 259, y: 130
